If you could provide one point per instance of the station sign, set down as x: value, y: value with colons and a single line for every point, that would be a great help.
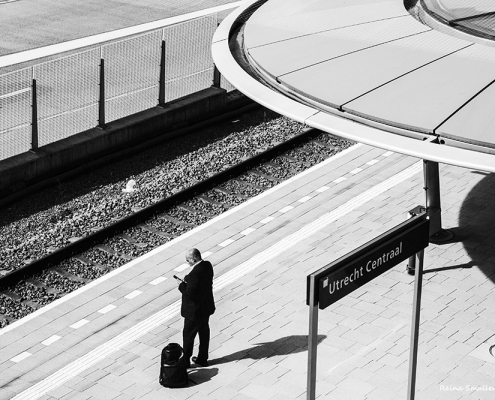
x: 348, y: 273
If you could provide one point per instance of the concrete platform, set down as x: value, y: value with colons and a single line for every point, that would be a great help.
x: 104, y: 341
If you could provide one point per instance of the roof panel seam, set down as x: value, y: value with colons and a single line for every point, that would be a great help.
x: 463, y: 105
x: 402, y: 75
x: 355, y: 51
x: 330, y: 30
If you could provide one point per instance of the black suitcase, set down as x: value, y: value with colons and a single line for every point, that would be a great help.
x: 172, y: 373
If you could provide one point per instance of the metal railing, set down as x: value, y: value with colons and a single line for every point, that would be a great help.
x: 56, y: 99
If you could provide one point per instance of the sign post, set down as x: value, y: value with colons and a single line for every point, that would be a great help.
x: 341, y: 277
x: 413, y: 356
x: 312, y: 343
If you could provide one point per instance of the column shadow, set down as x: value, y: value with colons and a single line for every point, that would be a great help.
x: 280, y: 347
x: 476, y: 229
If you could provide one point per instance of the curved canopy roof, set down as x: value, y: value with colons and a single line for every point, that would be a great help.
x: 397, y: 82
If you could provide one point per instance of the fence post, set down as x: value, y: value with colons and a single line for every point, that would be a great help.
x: 161, y: 83
x: 217, y: 77
x: 34, y: 117
x: 101, y: 99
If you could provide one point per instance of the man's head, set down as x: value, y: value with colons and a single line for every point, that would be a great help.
x: 193, y: 256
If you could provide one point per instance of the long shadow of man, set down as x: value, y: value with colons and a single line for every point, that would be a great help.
x: 281, y: 347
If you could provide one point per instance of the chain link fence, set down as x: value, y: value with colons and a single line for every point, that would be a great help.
x: 59, y: 98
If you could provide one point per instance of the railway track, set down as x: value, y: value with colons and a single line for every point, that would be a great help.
x: 65, y: 269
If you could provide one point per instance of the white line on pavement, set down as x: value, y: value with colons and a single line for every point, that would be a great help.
x: 133, y: 294
x: 225, y: 243
x: 101, y: 352
x: 182, y: 237
x: 106, y: 309
x: 247, y: 231
x: 182, y: 267
x: 20, y: 357
x: 51, y: 339
x: 158, y: 280
x: 78, y: 324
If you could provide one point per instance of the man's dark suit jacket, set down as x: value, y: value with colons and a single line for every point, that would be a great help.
x: 197, y: 293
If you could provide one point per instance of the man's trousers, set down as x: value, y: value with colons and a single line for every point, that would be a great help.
x: 191, y: 329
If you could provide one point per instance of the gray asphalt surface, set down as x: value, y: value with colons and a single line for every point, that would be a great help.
x: 28, y: 24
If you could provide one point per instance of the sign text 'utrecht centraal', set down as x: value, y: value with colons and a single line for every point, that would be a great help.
x: 350, y: 272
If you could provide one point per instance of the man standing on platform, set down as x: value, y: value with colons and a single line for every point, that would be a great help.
x: 197, y: 306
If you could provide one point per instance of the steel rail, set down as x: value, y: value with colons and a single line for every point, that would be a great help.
x: 146, y: 213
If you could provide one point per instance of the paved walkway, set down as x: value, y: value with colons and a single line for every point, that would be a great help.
x: 104, y: 341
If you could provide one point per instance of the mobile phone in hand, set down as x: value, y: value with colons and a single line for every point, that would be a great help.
x: 176, y: 277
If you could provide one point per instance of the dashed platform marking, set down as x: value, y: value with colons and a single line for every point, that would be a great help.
x: 78, y: 324
x: 93, y: 357
x: 247, y: 231
x: 20, y: 357
x: 304, y: 199
x: 387, y: 154
x: 225, y: 243
x: 158, y: 280
x: 183, y: 237
x: 106, y: 309
x: 323, y: 188
x: 51, y: 340
x: 133, y: 294
x: 266, y: 220
x: 355, y: 171
x: 182, y: 267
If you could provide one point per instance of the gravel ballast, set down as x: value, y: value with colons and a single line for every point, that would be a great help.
x: 60, y: 215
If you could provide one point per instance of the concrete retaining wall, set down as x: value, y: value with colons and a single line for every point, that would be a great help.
x: 78, y: 151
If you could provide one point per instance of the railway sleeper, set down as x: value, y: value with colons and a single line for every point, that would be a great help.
x: 175, y: 220
x: 69, y: 275
x: 157, y: 232
x: 273, y: 165
x: 33, y: 304
x: 249, y: 184
x: 324, y: 145
x: 40, y: 285
x: 196, y: 211
x: 209, y: 200
x: 11, y: 295
x: 87, y: 261
x: 5, y: 320
x: 266, y: 176
x: 291, y: 159
x: 113, y: 252
x: 132, y: 241
x: 46, y: 290
x: 225, y: 191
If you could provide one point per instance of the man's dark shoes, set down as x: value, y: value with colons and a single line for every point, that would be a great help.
x: 195, y: 360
